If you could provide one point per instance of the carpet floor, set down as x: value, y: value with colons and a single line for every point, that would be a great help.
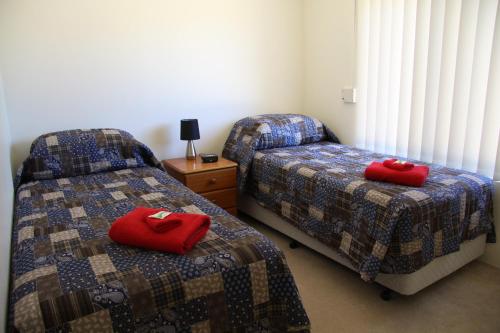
x: 337, y: 300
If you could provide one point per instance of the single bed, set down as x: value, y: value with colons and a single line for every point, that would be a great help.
x: 296, y: 177
x: 68, y: 276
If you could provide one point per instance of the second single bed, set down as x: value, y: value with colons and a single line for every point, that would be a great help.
x: 295, y: 168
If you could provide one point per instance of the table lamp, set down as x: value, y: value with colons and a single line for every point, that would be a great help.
x: 190, y: 132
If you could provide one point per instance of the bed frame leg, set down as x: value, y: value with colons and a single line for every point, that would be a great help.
x: 386, y: 294
x: 294, y: 244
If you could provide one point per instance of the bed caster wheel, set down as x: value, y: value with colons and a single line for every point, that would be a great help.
x: 294, y: 244
x: 386, y: 295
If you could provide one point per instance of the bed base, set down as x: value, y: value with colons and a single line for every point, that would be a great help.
x: 405, y: 284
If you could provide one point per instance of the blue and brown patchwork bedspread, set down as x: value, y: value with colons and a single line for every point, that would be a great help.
x: 271, y: 131
x: 380, y: 227
x: 68, y: 276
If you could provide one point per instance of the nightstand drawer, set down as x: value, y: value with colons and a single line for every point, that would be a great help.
x: 211, y: 180
x: 222, y: 198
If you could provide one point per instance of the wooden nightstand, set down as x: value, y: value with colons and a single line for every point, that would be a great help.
x: 215, y: 181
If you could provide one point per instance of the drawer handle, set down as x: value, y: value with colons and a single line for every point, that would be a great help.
x: 213, y: 180
x: 214, y: 201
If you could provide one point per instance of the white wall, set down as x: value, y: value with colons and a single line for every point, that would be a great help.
x: 330, y: 63
x: 6, y: 198
x: 143, y: 65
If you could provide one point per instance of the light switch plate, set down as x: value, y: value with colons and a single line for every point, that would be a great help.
x: 349, y: 95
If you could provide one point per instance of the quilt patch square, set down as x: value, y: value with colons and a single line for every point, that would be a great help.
x: 25, y: 233
x: 64, y: 235
x: 378, y: 198
x: 203, y: 286
x: 34, y: 274
x: 167, y: 290
x: 66, y: 308
x: 76, y: 274
x: 260, y: 288
x: 96, y: 322
x: 66, y: 245
x: 28, y: 315
x: 48, y: 287
x: 53, y: 195
x: 218, y: 312
x: 101, y: 264
x: 151, y: 181
x: 77, y: 212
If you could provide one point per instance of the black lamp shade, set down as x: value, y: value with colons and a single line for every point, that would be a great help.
x: 189, y: 129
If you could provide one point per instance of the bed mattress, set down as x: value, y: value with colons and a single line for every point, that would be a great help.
x: 378, y: 227
x: 67, y: 275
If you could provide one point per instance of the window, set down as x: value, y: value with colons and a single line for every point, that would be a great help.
x: 428, y: 76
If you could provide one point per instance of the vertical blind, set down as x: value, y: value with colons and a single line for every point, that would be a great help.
x: 428, y: 77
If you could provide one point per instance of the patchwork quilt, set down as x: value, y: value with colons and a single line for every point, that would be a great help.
x: 81, y: 152
x: 271, y: 131
x: 68, y: 276
x: 320, y: 188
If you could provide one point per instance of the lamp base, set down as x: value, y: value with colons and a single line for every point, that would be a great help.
x: 190, y: 150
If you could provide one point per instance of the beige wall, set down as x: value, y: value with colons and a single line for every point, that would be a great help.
x: 5, y: 207
x: 143, y: 65
x: 330, y: 62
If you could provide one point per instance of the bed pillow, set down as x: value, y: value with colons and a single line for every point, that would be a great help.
x: 271, y: 131
x: 81, y: 152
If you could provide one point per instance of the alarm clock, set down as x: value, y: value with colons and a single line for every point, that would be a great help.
x: 209, y: 158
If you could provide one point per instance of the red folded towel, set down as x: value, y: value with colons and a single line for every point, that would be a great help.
x: 414, y: 177
x: 130, y: 229
x: 396, y: 164
x: 161, y: 220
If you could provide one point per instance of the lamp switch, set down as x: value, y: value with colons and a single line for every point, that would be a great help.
x: 349, y: 95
